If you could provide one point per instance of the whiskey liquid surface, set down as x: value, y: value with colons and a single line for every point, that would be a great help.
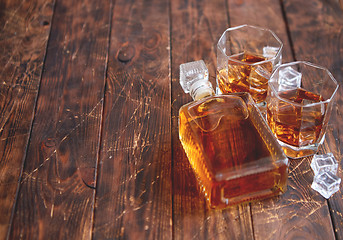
x: 227, y: 152
x: 296, y: 125
x: 242, y: 77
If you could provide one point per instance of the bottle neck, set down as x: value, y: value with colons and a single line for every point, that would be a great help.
x: 201, y: 89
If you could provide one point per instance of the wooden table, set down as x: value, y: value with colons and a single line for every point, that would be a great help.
x: 89, y: 100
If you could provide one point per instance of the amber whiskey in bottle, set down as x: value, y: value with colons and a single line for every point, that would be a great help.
x: 234, y: 154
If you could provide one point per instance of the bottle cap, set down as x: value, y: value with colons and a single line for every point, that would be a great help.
x: 194, y: 79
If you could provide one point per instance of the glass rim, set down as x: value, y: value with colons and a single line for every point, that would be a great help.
x: 311, y: 65
x: 258, y: 28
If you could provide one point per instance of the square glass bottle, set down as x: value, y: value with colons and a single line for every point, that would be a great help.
x: 229, y: 145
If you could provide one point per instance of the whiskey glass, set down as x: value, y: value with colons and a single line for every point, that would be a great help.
x: 246, y: 57
x: 299, y: 103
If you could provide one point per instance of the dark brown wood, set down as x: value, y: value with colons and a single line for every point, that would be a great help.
x: 262, y: 13
x: 267, y: 14
x: 55, y: 124
x: 299, y: 213
x: 317, y: 37
x: 196, y: 29
x: 333, y: 143
x: 24, y: 31
x: 134, y: 194
x: 56, y: 195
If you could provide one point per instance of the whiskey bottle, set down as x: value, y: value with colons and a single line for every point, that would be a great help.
x: 229, y: 145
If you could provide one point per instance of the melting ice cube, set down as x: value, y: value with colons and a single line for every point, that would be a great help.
x: 326, y: 184
x: 289, y: 79
x: 270, y: 52
x: 312, y: 113
x: 263, y: 72
x: 324, y: 163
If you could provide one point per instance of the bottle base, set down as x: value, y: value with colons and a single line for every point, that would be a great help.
x: 249, y: 188
x: 300, y: 152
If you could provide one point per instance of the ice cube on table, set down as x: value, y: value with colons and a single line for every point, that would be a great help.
x: 324, y: 163
x: 270, y: 52
x: 289, y: 79
x: 192, y: 72
x: 326, y: 184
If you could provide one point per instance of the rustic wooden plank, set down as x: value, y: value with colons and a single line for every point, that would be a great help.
x: 298, y: 213
x: 334, y: 143
x: 317, y: 37
x: 134, y: 194
x: 56, y: 195
x: 196, y: 28
x: 24, y: 31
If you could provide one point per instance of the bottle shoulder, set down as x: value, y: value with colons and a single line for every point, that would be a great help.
x: 229, y: 105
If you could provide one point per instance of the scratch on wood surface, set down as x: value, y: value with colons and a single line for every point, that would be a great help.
x: 27, y: 175
x: 82, y: 121
x: 295, y: 167
x: 130, y: 120
x: 275, y: 230
x: 146, y: 101
x: 14, y: 13
x: 134, y: 176
x: 52, y: 205
x: 52, y: 210
x: 71, y: 40
x: 313, y: 211
x: 132, y: 209
x: 14, y: 53
x: 5, y: 118
x: 338, y: 213
x: 128, y: 148
x: 196, y: 235
x: 141, y: 206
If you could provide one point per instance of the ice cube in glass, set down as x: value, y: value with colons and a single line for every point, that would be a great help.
x: 324, y: 163
x: 240, y: 52
x: 289, y: 79
x: 326, y: 184
x: 300, y: 127
x: 270, y: 52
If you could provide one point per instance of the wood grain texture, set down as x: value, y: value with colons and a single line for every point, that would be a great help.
x: 334, y: 143
x: 196, y: 28
x: 56, y: 195
x: 298, y: 213
x: 318, y: 37
x: 126, y: 115
x: 24, y: 31
x: 134, y: 194
x: 262, y: 13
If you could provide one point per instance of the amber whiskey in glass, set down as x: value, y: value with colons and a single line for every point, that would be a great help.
x: 246, y: 58
x: 294, y: 125
x: 242, y: 76
x: 299, y: 104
